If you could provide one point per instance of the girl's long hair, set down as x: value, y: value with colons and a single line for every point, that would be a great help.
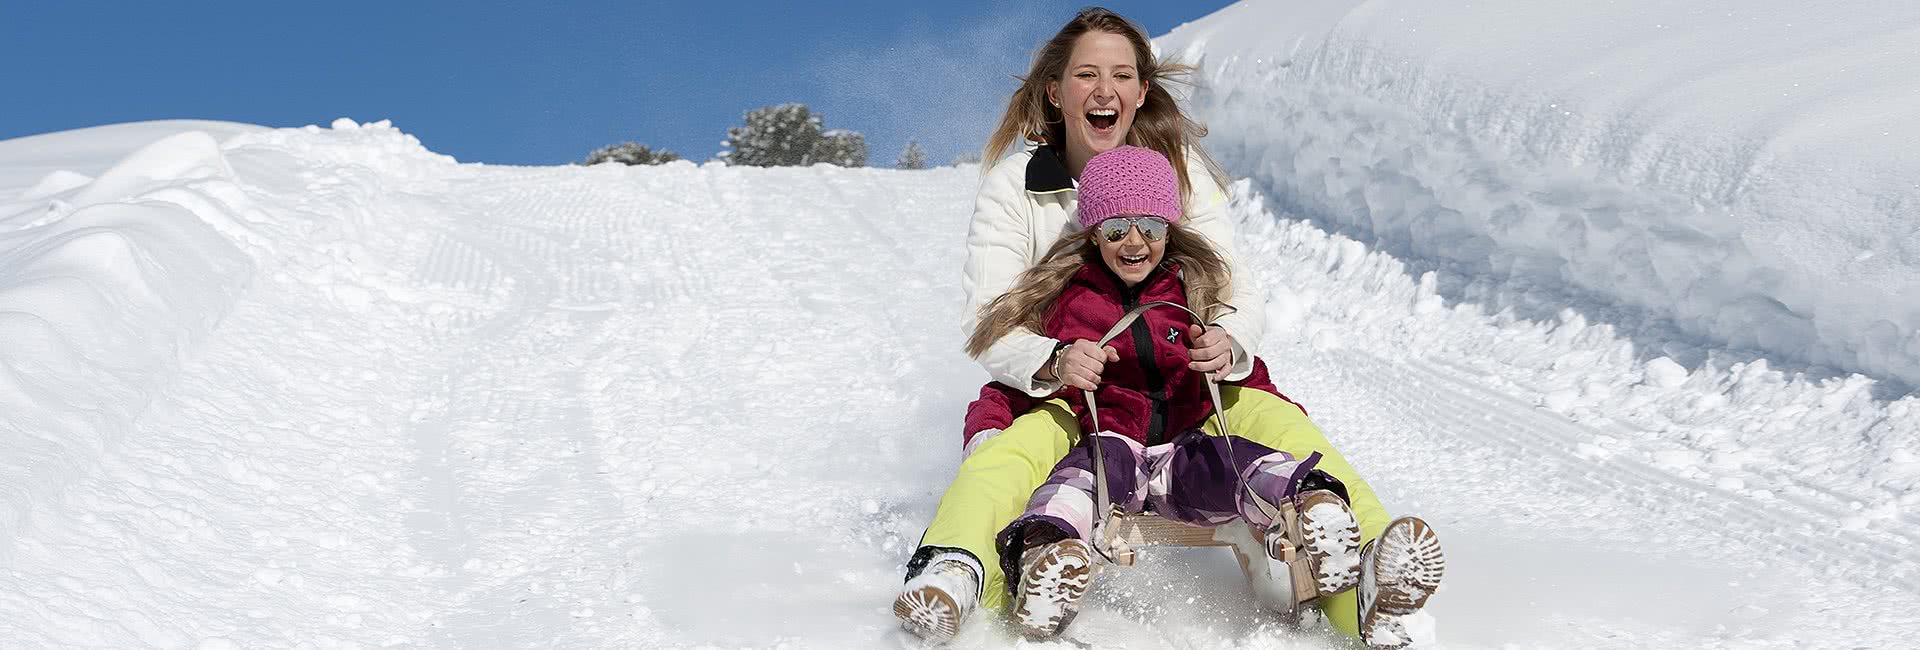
x: 1159, y: 125
x: 1202, y: 269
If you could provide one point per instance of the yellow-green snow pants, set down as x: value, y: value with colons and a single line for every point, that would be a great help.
x: 995, y: 482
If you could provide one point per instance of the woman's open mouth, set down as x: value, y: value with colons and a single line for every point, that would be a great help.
x: 1133, y: 260
x: 1103, y: 119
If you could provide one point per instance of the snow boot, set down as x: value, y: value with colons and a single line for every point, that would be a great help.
x: 1398, y: 572
x: 934, y: 603
x: 1330, y: 536
x: 1053, y: 578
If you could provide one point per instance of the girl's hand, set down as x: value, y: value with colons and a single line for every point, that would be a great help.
x: 1212, y: 350
x: 1082, y: 363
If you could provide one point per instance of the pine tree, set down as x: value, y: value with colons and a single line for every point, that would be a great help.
x: 774, y: 136
x: 841, y: 147
x: 912, y: 157
x: 789, y: 135
x: 630, y: 153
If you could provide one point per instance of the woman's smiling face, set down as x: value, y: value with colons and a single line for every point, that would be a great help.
x: 1098, y: 94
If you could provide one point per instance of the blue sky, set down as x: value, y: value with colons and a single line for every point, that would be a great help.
x: 535, y: 82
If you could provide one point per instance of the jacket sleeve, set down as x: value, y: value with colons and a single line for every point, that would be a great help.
x: 1207, y: 214
x: 995, y: 409
x: 999, y: 248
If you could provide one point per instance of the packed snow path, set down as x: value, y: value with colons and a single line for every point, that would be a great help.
x: 468, y: 406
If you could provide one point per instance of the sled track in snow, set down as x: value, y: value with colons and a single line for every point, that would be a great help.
x: 1428, y: 392
x: 508, y: 429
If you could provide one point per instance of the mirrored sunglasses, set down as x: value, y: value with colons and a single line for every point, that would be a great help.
x: 1115, y: 229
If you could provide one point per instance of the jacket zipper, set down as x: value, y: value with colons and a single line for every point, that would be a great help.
x: 1143, y: 352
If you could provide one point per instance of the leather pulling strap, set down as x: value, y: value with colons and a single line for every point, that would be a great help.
x: 1102, y: 504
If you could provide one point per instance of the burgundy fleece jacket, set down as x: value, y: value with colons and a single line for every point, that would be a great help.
x: 1149, y: 395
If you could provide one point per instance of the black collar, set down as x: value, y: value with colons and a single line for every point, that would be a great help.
x: 1047, y: 172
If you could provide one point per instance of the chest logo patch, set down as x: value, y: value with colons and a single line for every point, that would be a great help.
x: 1173, y: 335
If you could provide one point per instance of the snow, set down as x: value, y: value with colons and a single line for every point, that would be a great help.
x: 325, y: 388
x: 1743, y: 172
x: 86, y: 152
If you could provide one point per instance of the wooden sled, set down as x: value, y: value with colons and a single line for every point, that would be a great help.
x: 1280, y: 577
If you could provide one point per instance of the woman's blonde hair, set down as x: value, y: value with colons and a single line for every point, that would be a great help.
x: 1159, y: 124
x: 1202, y: 269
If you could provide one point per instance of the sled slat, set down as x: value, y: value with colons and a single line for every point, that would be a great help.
x: 1154, y: 530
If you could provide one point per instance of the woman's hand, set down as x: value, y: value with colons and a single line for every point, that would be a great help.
x: 1081, y: 364
x: 1212, y: 351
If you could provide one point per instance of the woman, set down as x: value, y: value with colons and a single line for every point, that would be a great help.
x: 1092, y: 87
x: 1134, y: 249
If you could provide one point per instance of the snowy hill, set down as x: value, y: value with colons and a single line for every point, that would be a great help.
x: 326, y: 388
x: 1744, y: 173
x: 303, y: 385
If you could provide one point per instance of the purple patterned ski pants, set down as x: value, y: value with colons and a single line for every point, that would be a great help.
x: 1187, y: 480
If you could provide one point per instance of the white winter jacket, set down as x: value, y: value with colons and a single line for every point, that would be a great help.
x: 1026, y: 202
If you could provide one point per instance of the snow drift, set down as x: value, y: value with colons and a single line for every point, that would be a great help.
x: 1746, y: 171
x: 104, y: 284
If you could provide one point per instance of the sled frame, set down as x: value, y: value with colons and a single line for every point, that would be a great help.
x: 1280, y: 576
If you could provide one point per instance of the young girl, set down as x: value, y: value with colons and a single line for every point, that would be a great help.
x: 1132, y: 251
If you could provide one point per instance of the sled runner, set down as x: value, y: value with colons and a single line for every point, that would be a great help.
x: 1280, y: 574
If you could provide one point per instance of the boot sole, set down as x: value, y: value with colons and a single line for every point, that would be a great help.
x: 1331, y: 535
x: 1407, y: 569
x: 929, y: 613
x: 1051, y: 588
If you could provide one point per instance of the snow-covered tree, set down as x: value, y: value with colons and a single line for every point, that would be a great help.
x: 775, y: 136
x: 790, y: 135
x: 912, y: 157
x: 630, y: 153
x: 841, y: 147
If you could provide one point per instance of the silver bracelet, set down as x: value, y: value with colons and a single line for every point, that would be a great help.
x: 1059, y: 356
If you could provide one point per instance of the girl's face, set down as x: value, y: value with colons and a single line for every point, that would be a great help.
x: 1133, y: 256
x: 1099, y: 94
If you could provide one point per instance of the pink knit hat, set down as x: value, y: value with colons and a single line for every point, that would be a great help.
x: 1128, y: 180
